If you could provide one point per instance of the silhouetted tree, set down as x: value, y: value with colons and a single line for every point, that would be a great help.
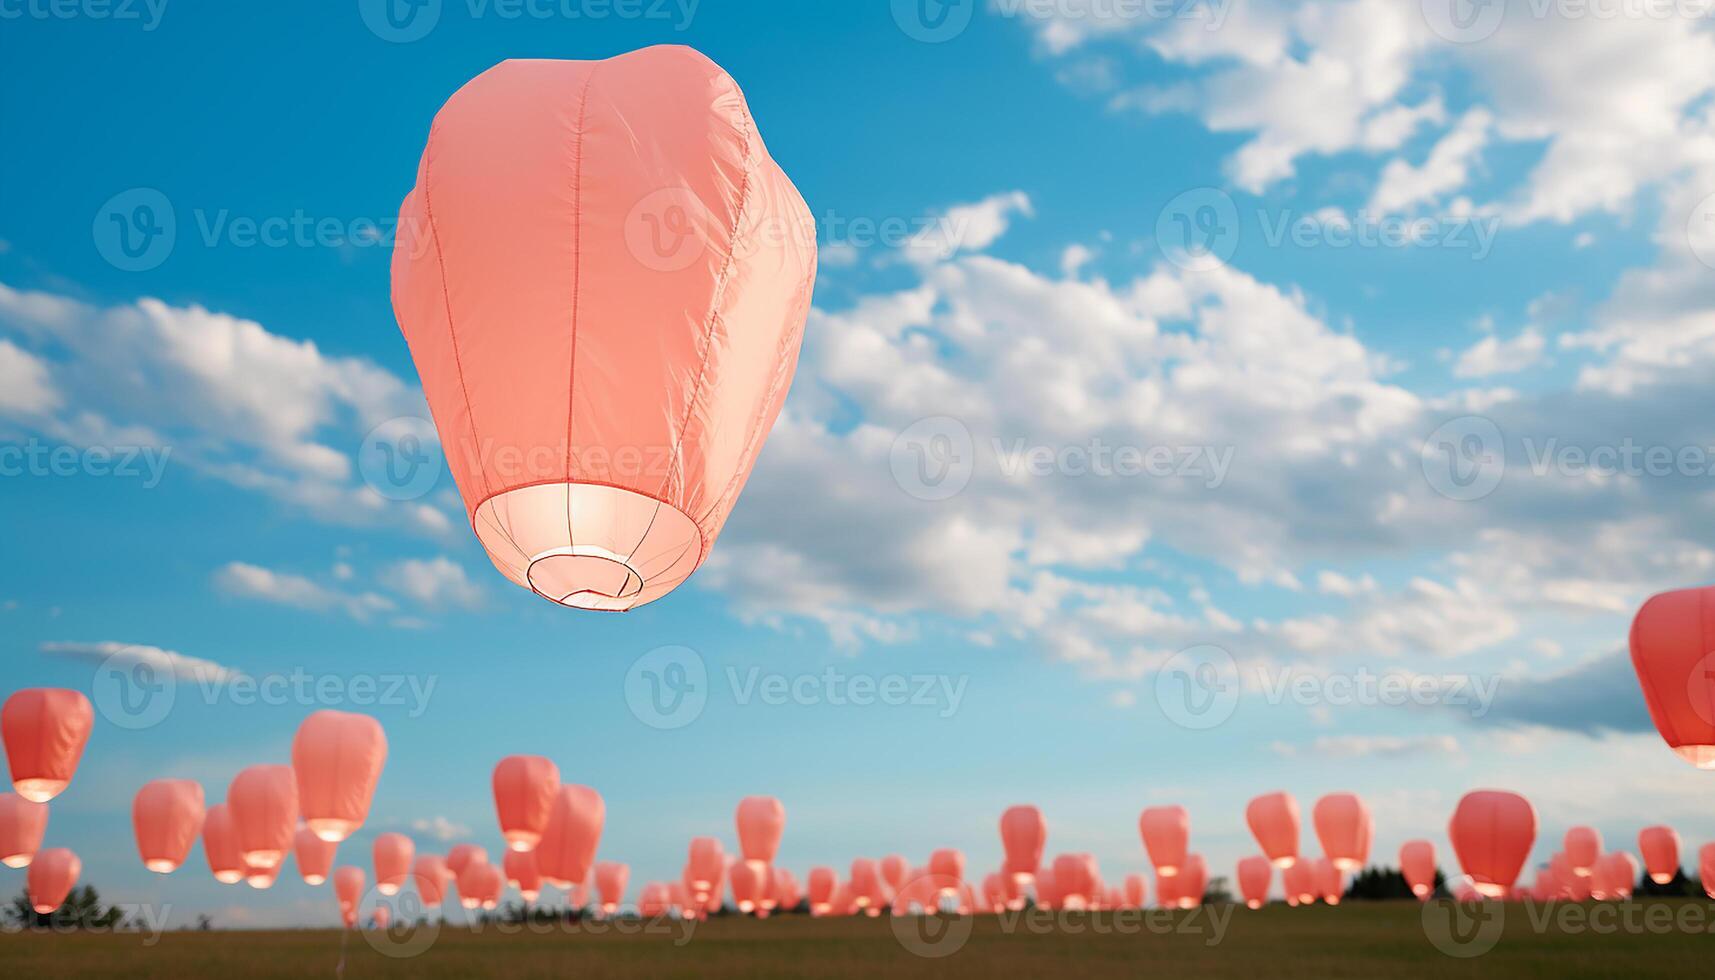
x: 1679, y: 887
x: 82, y: 910
x: 1217, y: 893
x: 1385, y: 884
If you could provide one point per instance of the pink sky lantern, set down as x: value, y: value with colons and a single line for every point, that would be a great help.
x: 1671, y: 643
x: 524, y: 789
x: 220, y: 845
x: 23, y: 823
x: 761, y: 820
x: 1417, y: 865
x: 263, y: 801
x: 314, y: 855
x: 1166, y: 833
x: 522, y: 873
x: 431, y: 875
x: 603, y: 279
x: 45, y: 730
x: 1255, y: 873
x: 1273, y: 820
x: 52, y: 876
x: 1023, y: 834
x: 1344, y: 828
x: 392, y: 853
x: 1660, y: 849
x: 1583, y: 846
x: 1492, y: 833
x: 569, y: 841
x: 610, y: 881
x: 338, y: 758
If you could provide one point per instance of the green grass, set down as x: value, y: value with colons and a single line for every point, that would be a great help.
x: 1360, y: 940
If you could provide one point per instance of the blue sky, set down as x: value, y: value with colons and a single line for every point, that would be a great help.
x: 1032, y: 170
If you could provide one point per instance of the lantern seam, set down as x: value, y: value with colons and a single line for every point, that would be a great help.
x: 577, y: 275
x: 714, y: 316
x: 447, y: 304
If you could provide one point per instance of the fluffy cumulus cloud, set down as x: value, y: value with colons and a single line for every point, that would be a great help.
x: 237, y: 402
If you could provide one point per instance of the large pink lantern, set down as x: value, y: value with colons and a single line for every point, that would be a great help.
x: 1273, y: 819
x: 524, y: 788
x: 1166, y: 833
x: 44, y: 729
x: 338, y: 758
x: 603, y: 278
x: 263, y: 801
x: 1492, y: 833
x: 392, y: 853
x: 166, y: 816
x: 568, y: 845
x: 761, y: 820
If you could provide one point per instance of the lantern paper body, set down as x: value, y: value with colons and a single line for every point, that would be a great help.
x: 524, y: 788
x: 1255, y: 873
x: 1136, y: 891
x: 261, y: 876
x: 480, y: 885
x: 1072, y: 882
x: 430, y: 874
x: 263, y: 801
x: 1583, y: 848
x: 338, y: 758
x: 314, y: 855
x: 462, y: 855
x: 1660, y: 849
x: 1616, y: 875
x: 348, y: 890
x: 948, y: 863
x: 820, y: 886
x: 45, y: 730
x: 1343, y: 826
x: 1023, y: 833
x: 1193, y: 880
x: 761, y: 820
x: 380, y: 916
x: 707, y: 866
x: 1330, y: 881
x: 1273, y: 819
x: 603, y: 279
x: 610, y: 881
x: 1299, y: 881
x: 1706, y: 868
x: 52, y: 876
x: 1671, y: 651
x: 865, y: 883
x: 1166, y: 832
x: 1492, y: 834
x: 166, y: 816
x: 568, y: 845
x: 1417, y: 864
x: 22, y: 824
x: 392, y: 853
x: 748, y: 880
x: 894, y: 870
x: 220, y: 845
x: 521, y: 872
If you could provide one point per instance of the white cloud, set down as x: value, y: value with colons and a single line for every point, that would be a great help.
x: 255, y: 582
x: 25, y: 385
x: 169, y: 662
x: 440, y: 828
x: 1447, y: 169
x: 436, y: 582
x: 1339, y: 747
x: 967, y: 227
x: 1492, y: 355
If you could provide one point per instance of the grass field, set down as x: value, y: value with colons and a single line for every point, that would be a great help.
x: 1368, y: 940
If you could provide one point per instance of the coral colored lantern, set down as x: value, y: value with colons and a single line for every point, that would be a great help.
x: 338, y: 757
x: 1583, y: 847
x: 314, y: 855
x: 263, y: 801
x: 761, y: 820
x: 1166, y: 833
x: 1660, y: 849
x: 1023, y: 834
x: 1492, y: 833
x: 524, y: 789
x: 51, y: 877
x: 569, y: 841
x: 1673, y: 651
x: 1343, y: 826
x: 1273, y: 820
x: 45, y: 730
x: 1417, y: 865
x: 392, y: 853
x: 166, y: 816
x: 521, y: 872
x: 1255, y: 873
x: 603, y: 279
x: 22, y: 826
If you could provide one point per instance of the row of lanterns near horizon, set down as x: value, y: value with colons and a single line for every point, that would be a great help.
x: 552, y: 832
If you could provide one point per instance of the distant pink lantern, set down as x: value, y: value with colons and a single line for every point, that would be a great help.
x: 787, y: 895
x: 600, y: 260
x: 894, y: 870
x: 381, y: 916
x: 1167, y: 890
x: 480, y: 885
x: 866, y: 885
x: 462, y: 855
x: 261, y: 876
x: 569, y: 841
x: 1618, y: 873
x: 1193, y: 882
x: 610, y: 881
x: 22, y: 825
x: 1166, y: 832
x: 1660, y: 849
x: 522, y: 874
x: 1344, y: 827
x: 948, y: 864
x: 1706, y: 868
x: 1273, y: 820
x: 51, y: 877
x: 220, y: 845
x: 338, y: 757
x: 706, y: 866
x: 1492, y: 833
x: 748, y: 878
x: 430, y: 874
x: 45, y: 730
x: 1136, y: 891
x: 1583, y: 848
x: 1255, y: 874
x: 392, y: 853
x: 1417, y: 864
x: 761, y: 820
x: 820, y: 887
x: 524, y: 790
x: 348, y: 891
x: 314, y: 855
x: 1073, y: 882
x: 263, y: 801
x: 1299, y: 880
x: 1330, y: 881
x: 1671, y: 642
x: 1023, y: 834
